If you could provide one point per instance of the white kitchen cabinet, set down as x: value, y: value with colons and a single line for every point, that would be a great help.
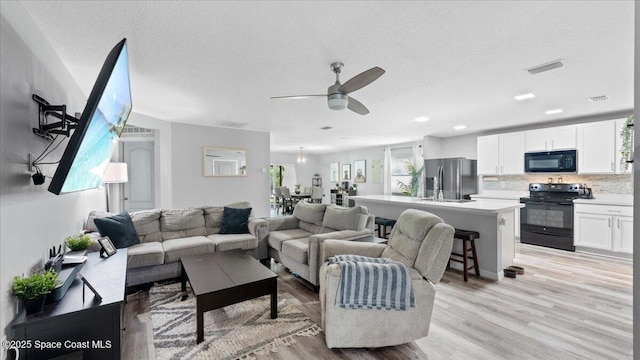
x: 512, y: 153
x: 593, y: 230
x: 596, y: 147
x: 623, y: 234
x: 604, y: 227
x: 501, y: 154
x: 488, y: 155
x: 554, y: 138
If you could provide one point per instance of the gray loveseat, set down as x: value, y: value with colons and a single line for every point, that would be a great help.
x: 295, y: 240
x: 166, y: 235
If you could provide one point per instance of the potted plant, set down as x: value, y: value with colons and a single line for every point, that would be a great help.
x: 298, y: 188
x: 78, y: 243
x: 411, y: 189
x: 32, y: 290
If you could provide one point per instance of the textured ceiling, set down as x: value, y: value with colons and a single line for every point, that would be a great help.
x: 217, y: 63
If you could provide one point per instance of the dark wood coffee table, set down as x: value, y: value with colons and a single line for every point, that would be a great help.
x: 225, y: 278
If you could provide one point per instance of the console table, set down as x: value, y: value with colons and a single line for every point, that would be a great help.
x: 73, y: 325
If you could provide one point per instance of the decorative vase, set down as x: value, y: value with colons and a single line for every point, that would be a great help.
x: 297, y: 191
x: 33, y: 306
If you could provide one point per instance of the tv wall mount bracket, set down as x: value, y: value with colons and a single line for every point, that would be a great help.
x: 47, y: 130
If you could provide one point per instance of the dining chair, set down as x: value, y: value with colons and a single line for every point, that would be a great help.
x: 278, y: 198
x: 306, y: 190
x: 316, y: 194
x: 287, y: 202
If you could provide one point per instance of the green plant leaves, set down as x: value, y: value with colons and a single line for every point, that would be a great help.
x: 38, y: 284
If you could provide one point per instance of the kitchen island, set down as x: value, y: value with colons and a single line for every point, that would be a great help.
x: 494, y: 220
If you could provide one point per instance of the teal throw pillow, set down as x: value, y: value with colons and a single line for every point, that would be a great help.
x: 119, y: 228
x: 235, y: 221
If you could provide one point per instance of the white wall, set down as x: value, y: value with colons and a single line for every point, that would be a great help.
x: 32, y: 219
x: 465, y: 146
x: 191, y: 188
x: 348, y: 157
x: 457, y: 146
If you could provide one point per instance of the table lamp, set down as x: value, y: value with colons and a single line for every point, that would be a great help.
x: 115, y: 173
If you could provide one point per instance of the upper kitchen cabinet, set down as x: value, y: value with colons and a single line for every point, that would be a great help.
x: 513, y: 153
x: 555, y: 138
x: 597, y: 147
x: 488, y: 155
x: 501, y: 154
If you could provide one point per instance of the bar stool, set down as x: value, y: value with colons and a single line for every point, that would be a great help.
x: 468, y: 238
x: 382, y: 224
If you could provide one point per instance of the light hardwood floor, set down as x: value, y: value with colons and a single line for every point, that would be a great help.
x: 566, y: 306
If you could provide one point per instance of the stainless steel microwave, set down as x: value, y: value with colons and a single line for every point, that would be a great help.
x: 551, y: 161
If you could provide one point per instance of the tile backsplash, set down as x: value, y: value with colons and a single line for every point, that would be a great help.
x: 600, y: 184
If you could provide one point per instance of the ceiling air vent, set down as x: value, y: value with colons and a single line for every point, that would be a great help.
x: 231, y: 124
x: 132, y: 131
x: 326, y: 128
x: 545, y: 67
x: 599, y: 98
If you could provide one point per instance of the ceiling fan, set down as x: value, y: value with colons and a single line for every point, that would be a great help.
x: 338, y: 94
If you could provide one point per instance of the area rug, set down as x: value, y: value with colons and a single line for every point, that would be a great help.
x: 234, y: 332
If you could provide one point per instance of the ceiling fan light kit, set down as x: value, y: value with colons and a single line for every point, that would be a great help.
x: 338, y: 94
x: 338, y: 101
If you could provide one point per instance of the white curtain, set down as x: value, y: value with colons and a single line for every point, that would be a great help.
x: 289, y: 179
x: 417, y: 156
x: 386, y: 170
x: 418, y: 162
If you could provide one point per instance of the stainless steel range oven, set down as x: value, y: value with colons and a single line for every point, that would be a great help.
x: 547, y: 218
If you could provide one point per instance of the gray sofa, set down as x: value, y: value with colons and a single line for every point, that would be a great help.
x: 296, y: 240
x: 167, y: 235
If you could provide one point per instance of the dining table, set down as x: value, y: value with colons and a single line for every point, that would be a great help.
x: 301, y: 196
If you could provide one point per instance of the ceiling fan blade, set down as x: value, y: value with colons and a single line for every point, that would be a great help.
x: 361, y: 80
x: 296, y: 97
x: 357, y: 107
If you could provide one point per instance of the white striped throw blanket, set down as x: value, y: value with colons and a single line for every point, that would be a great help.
x: 373, y: 283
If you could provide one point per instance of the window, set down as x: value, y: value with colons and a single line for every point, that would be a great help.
x: 401, y: 158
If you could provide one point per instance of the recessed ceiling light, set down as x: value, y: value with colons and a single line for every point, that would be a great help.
x: 421, y: 119
x: 554, y: 111
x: 459, y: 127
x: 524, y: 96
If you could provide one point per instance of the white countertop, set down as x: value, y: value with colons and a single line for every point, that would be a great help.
x: 599, y: 199
x: 480, y: 206
x: 607, y: 199
x: 501, y: 195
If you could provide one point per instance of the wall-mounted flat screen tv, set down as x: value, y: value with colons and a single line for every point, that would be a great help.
x: 92, y: 144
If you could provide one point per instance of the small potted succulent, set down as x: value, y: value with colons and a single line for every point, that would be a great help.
x: 78, y: 243
x: 33, y: 289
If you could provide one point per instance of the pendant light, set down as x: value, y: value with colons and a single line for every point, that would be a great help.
x: 301, y: 158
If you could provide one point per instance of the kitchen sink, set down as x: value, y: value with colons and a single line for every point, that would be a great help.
x: 459, y: 200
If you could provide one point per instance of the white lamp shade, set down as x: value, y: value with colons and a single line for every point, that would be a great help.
x: 115, y: 173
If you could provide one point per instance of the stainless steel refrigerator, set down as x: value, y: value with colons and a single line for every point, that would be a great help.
x: 456, y: 177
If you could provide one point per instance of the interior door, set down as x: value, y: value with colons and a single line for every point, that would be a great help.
x: 139, y: 192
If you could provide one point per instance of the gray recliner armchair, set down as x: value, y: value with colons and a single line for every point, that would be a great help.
x: 419, y: 240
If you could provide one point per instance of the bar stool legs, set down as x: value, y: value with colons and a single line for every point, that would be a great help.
x: 468, y: 238
x: 382, y: 225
